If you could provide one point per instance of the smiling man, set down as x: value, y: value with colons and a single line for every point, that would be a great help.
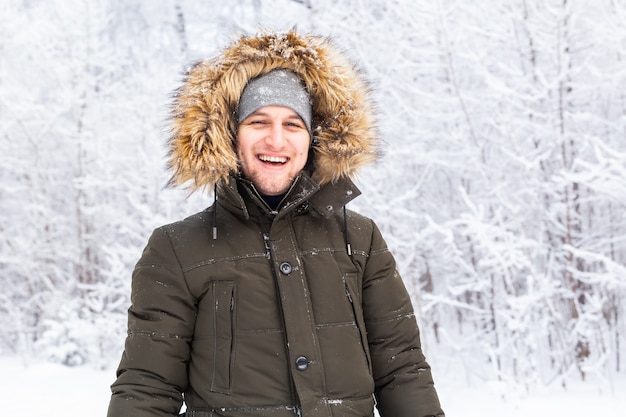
x: 295, y: 308
x: 274, y: 131
x: 272, y: 145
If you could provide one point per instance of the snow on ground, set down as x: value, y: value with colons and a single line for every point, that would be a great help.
x: 50, y: 390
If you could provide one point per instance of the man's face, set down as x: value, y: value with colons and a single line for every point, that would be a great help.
x: 272, y: 146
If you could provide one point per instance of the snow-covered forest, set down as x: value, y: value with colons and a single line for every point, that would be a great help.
x: 502, y: 190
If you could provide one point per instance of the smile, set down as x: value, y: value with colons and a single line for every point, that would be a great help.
x: 273, y: 159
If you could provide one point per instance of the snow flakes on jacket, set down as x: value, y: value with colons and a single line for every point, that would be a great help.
x: 204, y: 112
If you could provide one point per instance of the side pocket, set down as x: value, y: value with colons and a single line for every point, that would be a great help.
x: 223, y: 329
x: 353, y: 294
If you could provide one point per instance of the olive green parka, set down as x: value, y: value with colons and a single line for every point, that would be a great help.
x: 245, y: 311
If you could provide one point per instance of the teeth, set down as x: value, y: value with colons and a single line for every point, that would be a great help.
x: 277, y: 159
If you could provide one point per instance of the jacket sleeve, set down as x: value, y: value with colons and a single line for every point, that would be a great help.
x: 153, y: 370
x: 404, y: 384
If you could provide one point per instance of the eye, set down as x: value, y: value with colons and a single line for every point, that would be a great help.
x: 294, y: 124
x: 258, y: 122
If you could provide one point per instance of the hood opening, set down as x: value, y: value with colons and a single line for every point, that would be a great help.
x: 204, y: 109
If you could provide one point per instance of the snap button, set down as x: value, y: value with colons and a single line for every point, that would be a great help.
x: 285, y: 268
x: 302, y: 363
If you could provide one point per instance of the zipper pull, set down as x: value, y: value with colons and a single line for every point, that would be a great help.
x: 266, y: 241
x: 349, y: 295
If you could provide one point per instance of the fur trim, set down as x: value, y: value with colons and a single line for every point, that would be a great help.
x: 204, y: 111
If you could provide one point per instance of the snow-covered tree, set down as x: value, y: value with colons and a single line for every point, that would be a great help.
x: 501, y: 191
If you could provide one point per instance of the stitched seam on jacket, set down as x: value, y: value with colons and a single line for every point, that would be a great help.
x: 399, y: 316
x: 159, y: 335
x: 331, y: 250
x: 260, y: 331
x: 225, y: 259
x: 340, y: 324
x: 379, y: 251
x: 162, y: 266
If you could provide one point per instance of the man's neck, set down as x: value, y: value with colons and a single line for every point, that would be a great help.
x: 273, y: 200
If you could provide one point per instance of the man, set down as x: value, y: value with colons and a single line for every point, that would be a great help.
x: 276, y: 300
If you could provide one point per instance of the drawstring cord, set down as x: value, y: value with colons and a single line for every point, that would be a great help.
x: 215, y: 211
x: 345, y: 232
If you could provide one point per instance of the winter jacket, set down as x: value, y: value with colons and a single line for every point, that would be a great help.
x: 247, y: 311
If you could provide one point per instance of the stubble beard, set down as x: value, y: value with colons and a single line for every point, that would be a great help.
x: 266, y: 185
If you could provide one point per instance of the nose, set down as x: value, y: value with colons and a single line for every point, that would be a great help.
x: 275, y: 138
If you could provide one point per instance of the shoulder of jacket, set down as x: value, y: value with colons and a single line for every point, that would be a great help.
x: 188, y: 226
x: 360, y: 219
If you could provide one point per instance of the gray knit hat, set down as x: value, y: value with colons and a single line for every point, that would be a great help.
x: 276, y: 88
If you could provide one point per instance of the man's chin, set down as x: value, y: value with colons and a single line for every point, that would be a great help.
x: 268, y: 185
x: 265, y: 187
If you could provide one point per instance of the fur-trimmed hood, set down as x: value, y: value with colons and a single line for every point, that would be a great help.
x: 204, y: 112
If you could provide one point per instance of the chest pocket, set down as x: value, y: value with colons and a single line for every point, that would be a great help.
x: 214, y: 334
x: 354, y: 296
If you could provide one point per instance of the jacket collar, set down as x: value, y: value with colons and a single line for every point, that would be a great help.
x: 240, y: 197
